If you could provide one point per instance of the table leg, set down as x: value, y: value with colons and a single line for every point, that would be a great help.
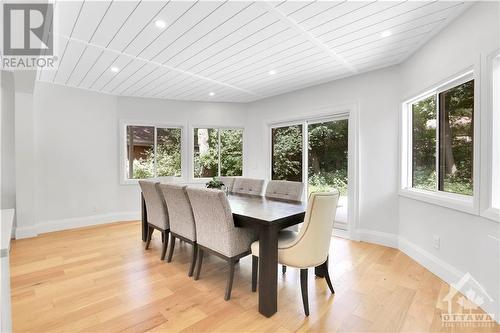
x: 268, y: 270
x: 144, y: 219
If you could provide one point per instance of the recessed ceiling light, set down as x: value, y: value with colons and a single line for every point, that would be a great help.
x: 386, y: 33
x: 114, y: 69
x: 272, y: 72
x: 160, y: 24
x: 211, y: 93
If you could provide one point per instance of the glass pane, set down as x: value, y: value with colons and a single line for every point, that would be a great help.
x: 168, y: 152
x: 327, y: 159
x: 231, y: 152
x: 456, y: 139
x: 287, y: 153
x: 327, y: 167
x: 206, y: 152
x: 424, y: 144
x: 140, y: 152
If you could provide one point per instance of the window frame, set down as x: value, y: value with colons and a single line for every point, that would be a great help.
x: 464, y: 203
x: 490, y: 148
x: 194, y: 179
x: 124, y: 179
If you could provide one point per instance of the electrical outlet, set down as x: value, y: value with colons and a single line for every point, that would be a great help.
x: 436, y: 241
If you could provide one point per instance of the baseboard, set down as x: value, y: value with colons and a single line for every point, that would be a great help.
x: 377, y: 237
x: 72, y: 223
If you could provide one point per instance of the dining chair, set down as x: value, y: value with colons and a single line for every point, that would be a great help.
x: 156, y: 211
x: 283, y: 189
x: 181, y: 220
x: 310, y: 247
x: 248, y: 186
x: 215, y: 231
x: 228, y: 182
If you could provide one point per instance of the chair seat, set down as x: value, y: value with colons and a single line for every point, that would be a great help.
x: 284, y: 238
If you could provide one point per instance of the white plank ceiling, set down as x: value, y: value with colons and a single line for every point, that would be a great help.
x: 234, y: 51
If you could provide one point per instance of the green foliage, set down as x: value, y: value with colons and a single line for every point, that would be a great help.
x: 287, y: 153
x: 326, y: 182
x: 168, y: 152
x: 215, y: 183
x: 231, y: 152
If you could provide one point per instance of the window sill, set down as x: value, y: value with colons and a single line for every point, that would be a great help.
x: 449, y: 200
x: 160, y: 179
x: 491, y: 214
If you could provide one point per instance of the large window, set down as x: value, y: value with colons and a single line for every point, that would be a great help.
x: 217, y: 152
x: 152, y: 152
x: 442, y: 140
x: 287, y: 153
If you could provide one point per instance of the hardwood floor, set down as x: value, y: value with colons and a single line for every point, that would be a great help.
x: 100, y: 279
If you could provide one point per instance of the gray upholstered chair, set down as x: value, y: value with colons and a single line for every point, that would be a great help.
x: 248, y: 186
x: 181, y: 219
x: 156, y: 213
x: 215, y: 231
x: 308, y: 248
x: 283, y: 189
x: 228, y: 182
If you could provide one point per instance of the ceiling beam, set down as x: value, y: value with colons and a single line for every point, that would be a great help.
x: 270, y: 8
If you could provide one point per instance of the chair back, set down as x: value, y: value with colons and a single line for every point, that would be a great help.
x: 214, y: 222
x: 228, y: 182
x: 312, y: 244
x: 284, y: 189
x: 156, y: 207
x: 179, y: 209
x: 248, y: 186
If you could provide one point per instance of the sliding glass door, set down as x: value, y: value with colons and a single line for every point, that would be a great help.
x: 325, y: 165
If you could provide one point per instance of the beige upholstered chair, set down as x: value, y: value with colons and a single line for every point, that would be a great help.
x: 228, y: 182
x: 215, y: 231
x: 283, y: 189
x: 310, y: 247
x: 156, y: 212
x: 181, y: 219
x: 248, y: 186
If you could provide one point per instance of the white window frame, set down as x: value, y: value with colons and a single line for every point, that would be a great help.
x: 344, y: 111
x: 490, y: 138
x: 194, y: 179
x: 124, y: 180
x: 468, y: 204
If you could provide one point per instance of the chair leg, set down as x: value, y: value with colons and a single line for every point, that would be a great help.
x: 255, y: 269
x: 148, y: 238
x: 171, y: 249
x: 164, y: 236
x: 193, y: 259
x: 283, y: 269
x: 303, y: 287
x: 327, y: 278
x: 198, y: 263
x: 229, y: 285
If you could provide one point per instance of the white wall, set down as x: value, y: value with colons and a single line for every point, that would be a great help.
x: 8, y: 181
x: 468, y: 243
x: 375, y: 95
x: 77, y: 151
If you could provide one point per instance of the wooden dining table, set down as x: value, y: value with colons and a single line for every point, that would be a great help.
x: 267, y: 216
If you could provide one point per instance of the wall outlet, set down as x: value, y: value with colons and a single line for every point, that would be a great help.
x: 436, y: 241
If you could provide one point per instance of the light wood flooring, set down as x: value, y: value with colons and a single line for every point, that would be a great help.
x: 100, y: 279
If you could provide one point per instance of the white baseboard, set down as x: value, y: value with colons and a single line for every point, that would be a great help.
x: 71, y: 223
x: 377, y: 237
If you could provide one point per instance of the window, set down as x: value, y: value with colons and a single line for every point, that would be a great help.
x: 287, y: 153
x: 153, y: 152
x: 442, y: 140
x: 217, y: 152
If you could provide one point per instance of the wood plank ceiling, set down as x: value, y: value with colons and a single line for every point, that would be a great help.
x: 233, y: 51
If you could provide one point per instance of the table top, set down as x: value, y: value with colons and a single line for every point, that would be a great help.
x: 265, y: 210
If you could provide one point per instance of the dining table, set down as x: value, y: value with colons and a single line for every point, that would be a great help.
x: 267, y: 216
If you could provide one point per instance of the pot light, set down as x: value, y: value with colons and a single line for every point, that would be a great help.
x: 114, y: 69
x: 386, y: 33
x: 211, y: 94
x: 272, y: 72
x: 160, y: 24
